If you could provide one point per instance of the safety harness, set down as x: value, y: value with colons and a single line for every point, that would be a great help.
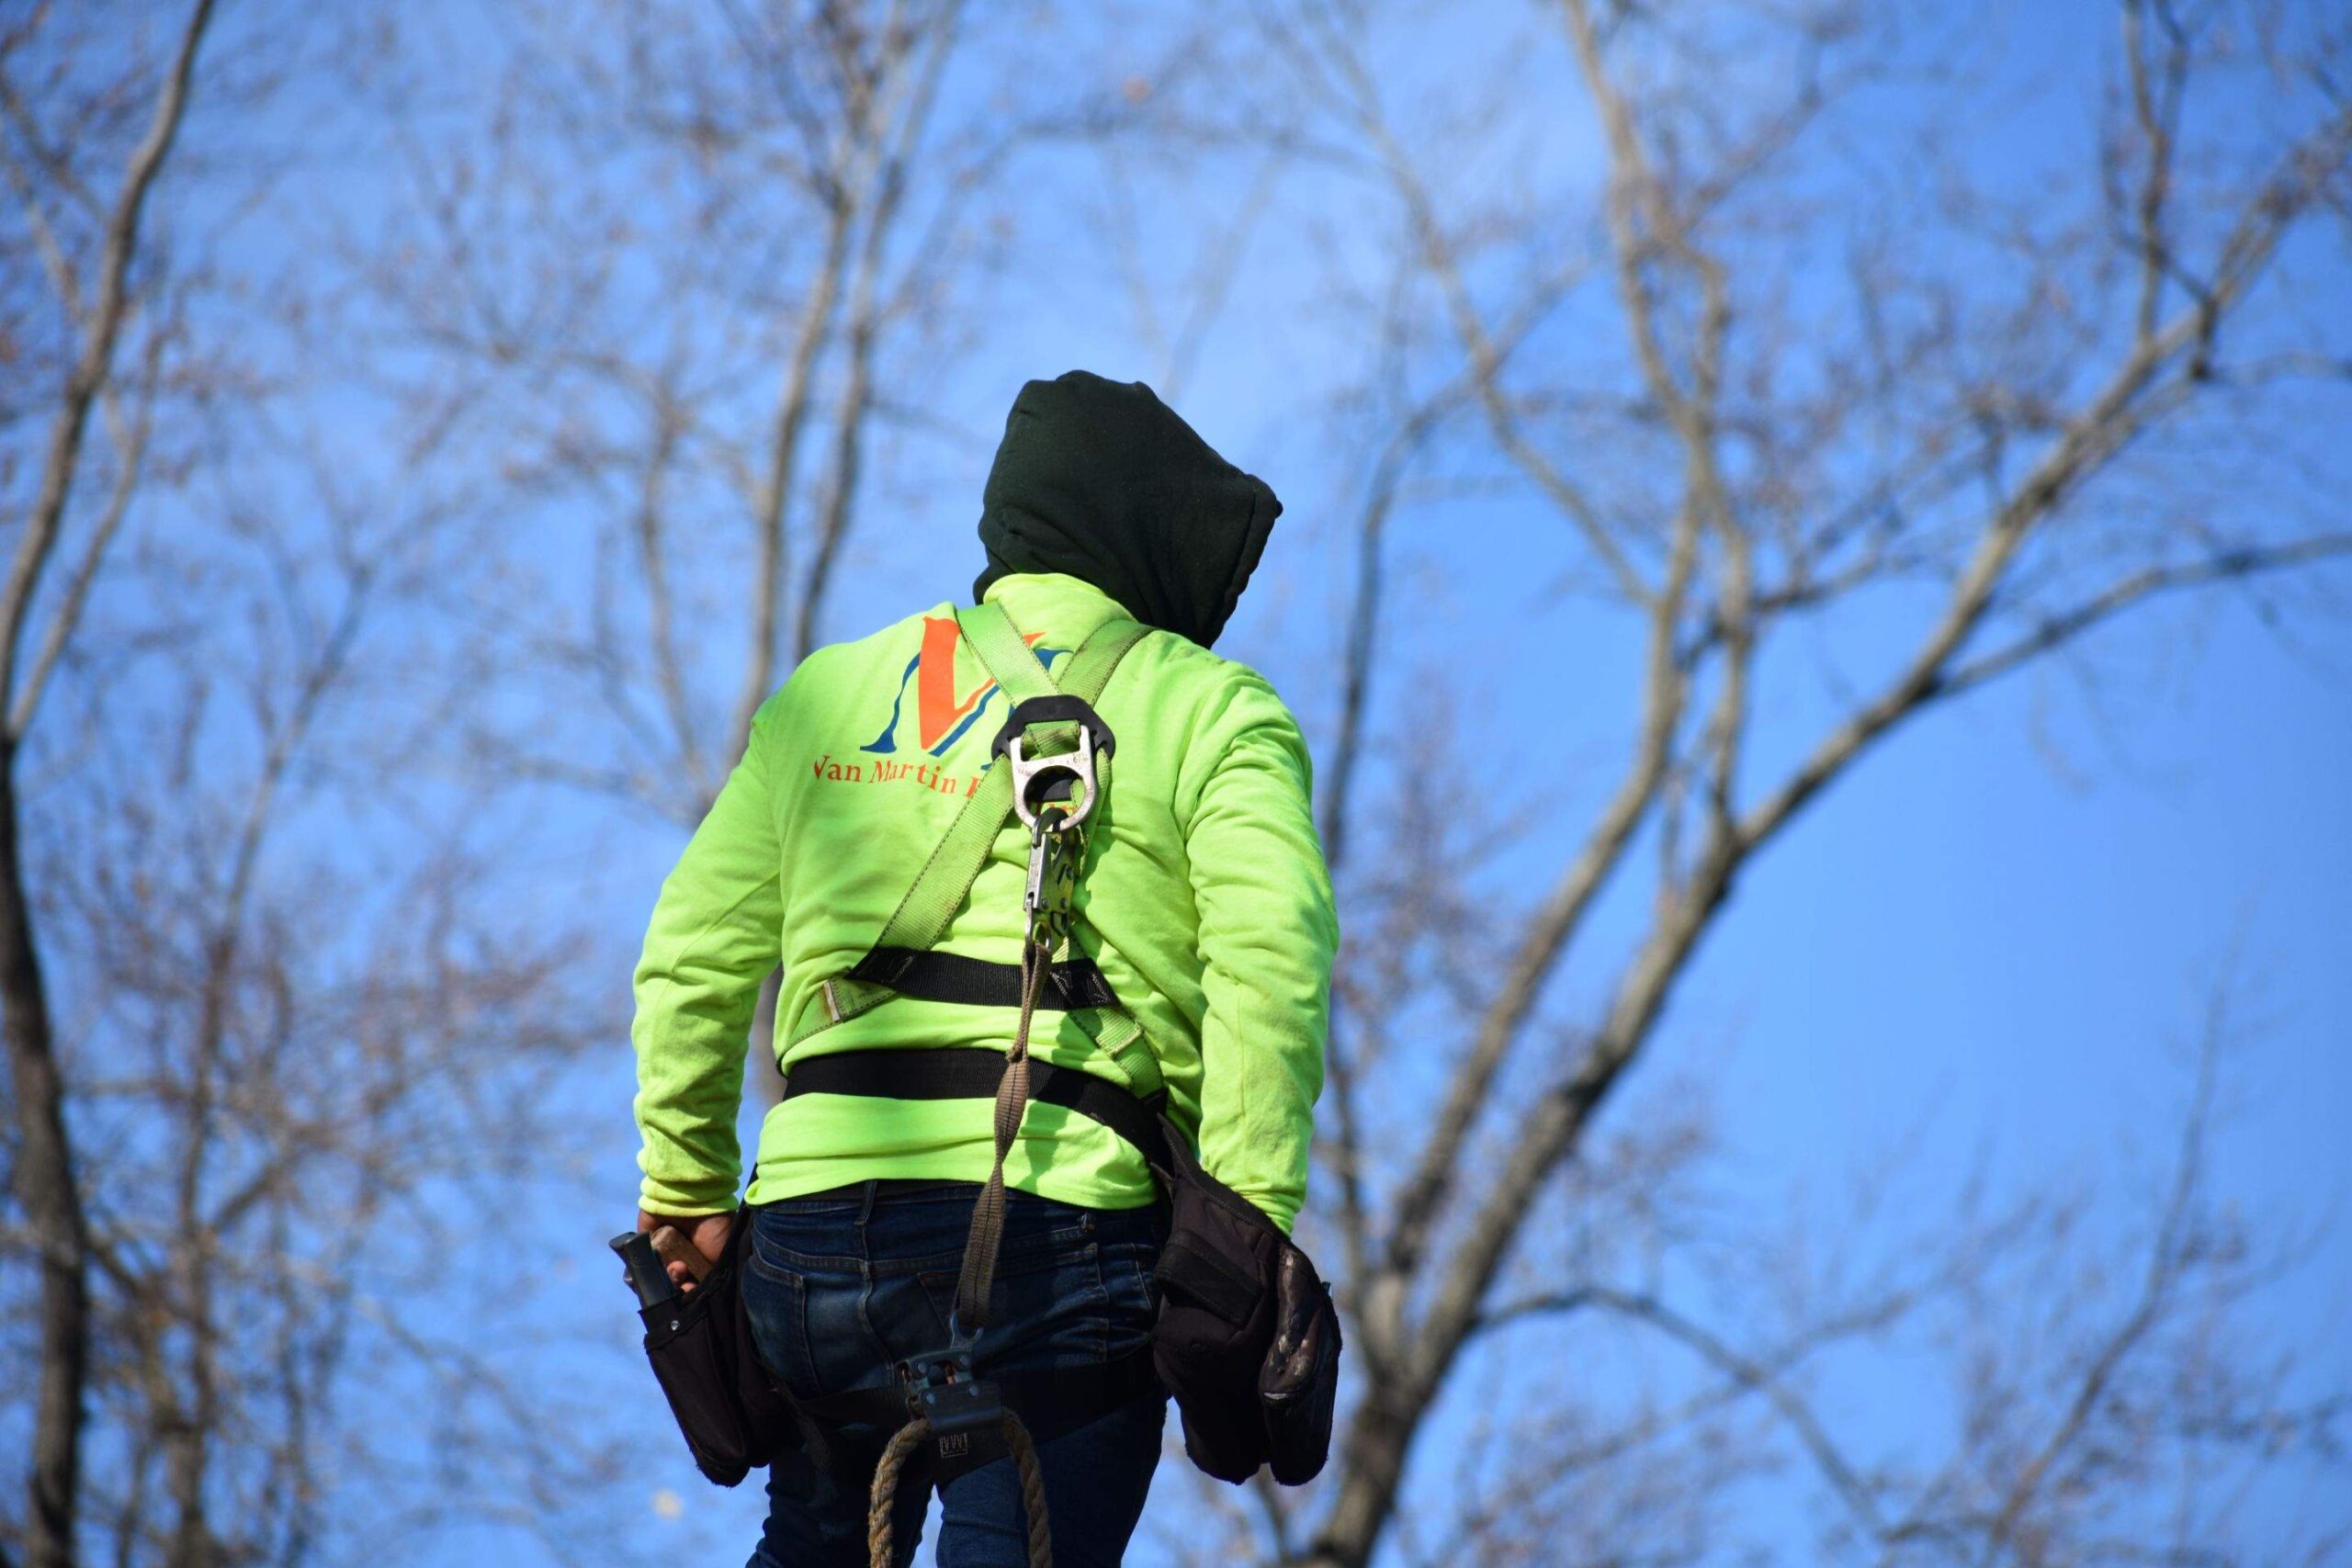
x: 1053, y: 754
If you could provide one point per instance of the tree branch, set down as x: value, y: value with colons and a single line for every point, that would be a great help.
x: 2151, y: 582
x: 109, y: 302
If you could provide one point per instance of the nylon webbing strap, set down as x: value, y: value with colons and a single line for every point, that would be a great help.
x: 945, y: 881
x: 887, y: 1074
x: 938, y: 976
x: 1117, y: 1037
x: 944, y: 884
x: 1008, y: 658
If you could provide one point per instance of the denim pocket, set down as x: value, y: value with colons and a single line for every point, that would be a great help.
x: 1048, y: 1308
x: 1132, y: 1294
x: 775, y: 1254
x: 777, y: 1302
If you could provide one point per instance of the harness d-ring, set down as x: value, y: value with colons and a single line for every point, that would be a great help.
x: 1064, y: 778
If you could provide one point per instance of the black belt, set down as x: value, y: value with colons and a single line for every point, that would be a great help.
x: 941, y: 1074
x: 951, y: 978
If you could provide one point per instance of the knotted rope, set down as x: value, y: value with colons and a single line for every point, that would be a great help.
x: 909, y: 1438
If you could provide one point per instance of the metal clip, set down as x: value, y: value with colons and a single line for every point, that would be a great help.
x: 1065, y: 779
x: 1055, y: 849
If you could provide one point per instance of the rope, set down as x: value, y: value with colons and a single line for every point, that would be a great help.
x: 885, y: 1498
x: 903, y: 1444
x: 1033, y: 1491
x: 1047, y: 929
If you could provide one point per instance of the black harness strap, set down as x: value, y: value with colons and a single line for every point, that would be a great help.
x: 935, y: 976
x: 849, y: 1428
x: 929, y: 1073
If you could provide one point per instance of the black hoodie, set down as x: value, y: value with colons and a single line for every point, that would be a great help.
x: 1100, y: 480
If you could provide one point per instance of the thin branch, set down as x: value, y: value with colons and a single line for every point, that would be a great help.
x: 652, y: 562
x: 2157, y: 112
x: 130, y: 453
x: 2138, y: 588
x: 771, y: 506
x: 1549, y: 932
x: 2167, y: 1261
x: 109, y: 303
x: 1486, y: 357
x: 856, y: 400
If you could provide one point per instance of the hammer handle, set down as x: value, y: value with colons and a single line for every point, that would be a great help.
x: 672, y: 1247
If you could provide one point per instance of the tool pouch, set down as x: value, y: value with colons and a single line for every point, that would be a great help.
x: 732, y: 1415
x: 1247, y: 1341
x: 1299, y: 1381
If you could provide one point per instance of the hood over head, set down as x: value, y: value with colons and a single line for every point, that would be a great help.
x: 1101, y: 480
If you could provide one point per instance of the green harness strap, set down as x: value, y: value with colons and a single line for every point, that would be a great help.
x: 940, y: 889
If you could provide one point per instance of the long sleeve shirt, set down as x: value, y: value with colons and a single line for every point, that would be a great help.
x: 1206, y: 906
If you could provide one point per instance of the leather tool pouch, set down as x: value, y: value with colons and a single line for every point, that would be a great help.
x: 1248, y: 1340
x: 732, y: 1415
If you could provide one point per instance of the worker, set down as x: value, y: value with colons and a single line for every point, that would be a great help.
x: 1194, y: 965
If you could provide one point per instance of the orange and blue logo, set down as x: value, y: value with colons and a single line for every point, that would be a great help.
x: 941, y: 714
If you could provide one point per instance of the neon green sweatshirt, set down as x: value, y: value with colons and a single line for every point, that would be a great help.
x: 1207, y: 907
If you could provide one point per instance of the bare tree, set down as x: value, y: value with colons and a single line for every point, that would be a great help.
x: 2086, y: 1380
x: 274, y: 1067
x: 716, y: 260
x: 1961, y: 426
x: 88, y: 241
x: 322, y: 1063
x: 642, y: 343
x: 705, y: 246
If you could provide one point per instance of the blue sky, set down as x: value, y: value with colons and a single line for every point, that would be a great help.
x: 1985, y: 947
x: 1990, y: 946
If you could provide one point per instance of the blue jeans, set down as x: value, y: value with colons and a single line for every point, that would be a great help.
x: 842, y: 1286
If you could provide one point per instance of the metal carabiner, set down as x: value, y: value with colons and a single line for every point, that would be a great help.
x: 1055, y: 849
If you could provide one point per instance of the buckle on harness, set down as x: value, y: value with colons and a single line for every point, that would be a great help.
x: 1038, y: 782
x: 965, y: 1413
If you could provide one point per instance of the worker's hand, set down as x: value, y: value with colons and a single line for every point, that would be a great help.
x: 708, y: 1233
